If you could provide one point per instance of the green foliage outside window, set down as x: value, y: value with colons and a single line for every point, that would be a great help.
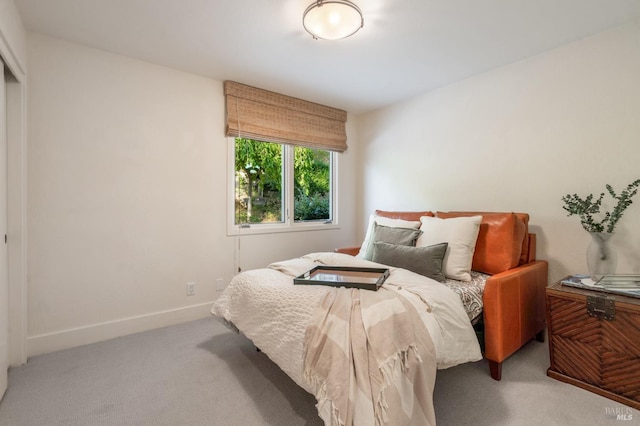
x: 259, y: 171
x: 312, y: 176
x: 258, y: 167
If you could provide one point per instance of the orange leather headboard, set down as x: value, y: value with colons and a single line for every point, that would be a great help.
x: 415, y: 216
x: 502, y: 240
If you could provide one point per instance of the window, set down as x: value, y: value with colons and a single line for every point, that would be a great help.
x: 288, y: 183
x: 259, y: 195
x: 312, y: 184
x: 281, y: 187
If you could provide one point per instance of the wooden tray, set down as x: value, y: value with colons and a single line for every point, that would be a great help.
x: 344, y: 276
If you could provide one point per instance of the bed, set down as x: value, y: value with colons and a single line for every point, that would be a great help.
x: 370, y: 357
x: 273, y: 313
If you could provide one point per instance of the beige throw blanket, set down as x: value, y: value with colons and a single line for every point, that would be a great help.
x: 370, y: 360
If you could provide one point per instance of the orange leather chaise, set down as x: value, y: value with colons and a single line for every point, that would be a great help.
x: 514, y: 294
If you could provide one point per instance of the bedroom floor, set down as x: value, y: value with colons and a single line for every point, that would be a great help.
x: 200, y: 373
x: 466, y: 395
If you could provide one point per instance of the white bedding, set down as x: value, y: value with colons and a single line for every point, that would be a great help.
x: 267, y: 308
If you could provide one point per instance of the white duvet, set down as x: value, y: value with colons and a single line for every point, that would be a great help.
x: 273, y: 313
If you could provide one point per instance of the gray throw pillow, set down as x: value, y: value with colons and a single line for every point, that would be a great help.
x: 386, y: 234
x: 427, y: 261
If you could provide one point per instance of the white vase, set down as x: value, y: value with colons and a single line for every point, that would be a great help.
x: 602, y: 258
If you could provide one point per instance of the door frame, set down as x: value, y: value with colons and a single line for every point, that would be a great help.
x: 17, y: 219
x: 16, y: 96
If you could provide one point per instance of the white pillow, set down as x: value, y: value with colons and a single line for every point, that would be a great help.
x: 384, y: 221
x: 461, y: 234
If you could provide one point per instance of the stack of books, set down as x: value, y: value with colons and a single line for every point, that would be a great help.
x: 626, y: 285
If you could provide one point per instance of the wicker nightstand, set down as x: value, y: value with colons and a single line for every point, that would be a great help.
x: 595, y: 347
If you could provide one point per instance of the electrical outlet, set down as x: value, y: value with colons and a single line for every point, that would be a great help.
x: 191, y: 289
x: 219, y: 284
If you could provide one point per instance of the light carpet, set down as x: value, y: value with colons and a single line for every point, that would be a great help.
x: 200, y: 373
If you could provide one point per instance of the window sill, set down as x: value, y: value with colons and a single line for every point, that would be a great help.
x: 258, y: 229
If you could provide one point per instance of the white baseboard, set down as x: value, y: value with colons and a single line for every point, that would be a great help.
x: 70, y: 338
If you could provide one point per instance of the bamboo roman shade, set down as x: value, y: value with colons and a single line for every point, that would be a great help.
x: 271, y: 117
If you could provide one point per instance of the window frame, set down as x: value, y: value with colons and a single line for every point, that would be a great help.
x: 288, y: 225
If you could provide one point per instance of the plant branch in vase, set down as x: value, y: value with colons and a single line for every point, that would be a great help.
x: 601, y: 258
x: 586, y: 208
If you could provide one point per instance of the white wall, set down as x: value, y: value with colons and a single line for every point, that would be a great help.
x: 13, y: 39
x: 517, y: 139
x: 127, y: 197
x: 127, y: 159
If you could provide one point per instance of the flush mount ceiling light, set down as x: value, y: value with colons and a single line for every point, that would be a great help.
x: 332, y: 19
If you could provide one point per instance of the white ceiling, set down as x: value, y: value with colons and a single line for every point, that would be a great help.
x: 406, y: 47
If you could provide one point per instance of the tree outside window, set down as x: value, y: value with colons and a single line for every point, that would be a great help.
x: 261, y: 191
